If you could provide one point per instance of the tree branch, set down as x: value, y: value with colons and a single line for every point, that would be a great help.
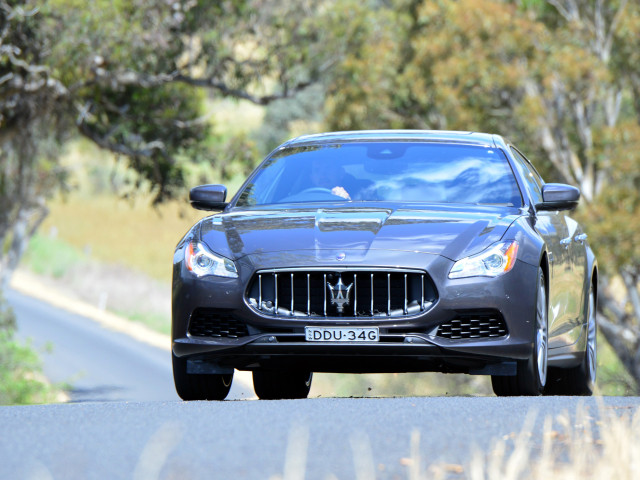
x: 119, y: 148
x: 132, y: 78
x: 631, y: 283
x: 243, y: 94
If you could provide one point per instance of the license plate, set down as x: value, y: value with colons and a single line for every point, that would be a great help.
x: 342, y: 334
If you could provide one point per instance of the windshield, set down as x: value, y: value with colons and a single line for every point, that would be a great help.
x: 384, y: 171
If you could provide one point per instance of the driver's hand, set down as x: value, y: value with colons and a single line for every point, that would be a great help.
x: 340, y: 192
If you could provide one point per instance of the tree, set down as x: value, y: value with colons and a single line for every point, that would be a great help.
x: 124, y: 75
x: 559, y: 77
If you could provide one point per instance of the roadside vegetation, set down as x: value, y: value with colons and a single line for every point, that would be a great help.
x: 583, y: 445
x: 21, y: 379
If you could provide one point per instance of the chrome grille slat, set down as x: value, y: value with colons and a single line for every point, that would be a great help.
x: 372, y: 311
x: 292, y: 295
x: 276, y: 296
x: 405, y: 294
x: 324, y: 289
x: 343, y: 293
x: 388, y: 294
x: 355, y: 294
x: 308, y: 294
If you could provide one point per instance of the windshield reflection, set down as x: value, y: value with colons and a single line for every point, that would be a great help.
x: 378, y: 171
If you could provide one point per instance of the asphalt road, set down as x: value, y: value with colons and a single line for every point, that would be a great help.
x: 127, y: 422
x: 312, y: 439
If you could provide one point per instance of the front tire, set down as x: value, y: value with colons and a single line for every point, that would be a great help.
x: 192, y: 386
x: 531, y: 376
x: 276, y: 385
x: 579, y: 380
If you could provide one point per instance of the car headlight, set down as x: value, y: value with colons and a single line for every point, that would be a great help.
x: 496, y: 260
x: 201, y: 262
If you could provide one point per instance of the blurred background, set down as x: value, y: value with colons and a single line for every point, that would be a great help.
x: 109, y: 116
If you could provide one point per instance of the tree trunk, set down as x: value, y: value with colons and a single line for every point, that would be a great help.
x: 24, y: 227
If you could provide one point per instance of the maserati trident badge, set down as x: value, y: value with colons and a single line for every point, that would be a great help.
x: 339, y: 294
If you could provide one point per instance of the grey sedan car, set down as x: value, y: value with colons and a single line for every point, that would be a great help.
x: 386, y: 251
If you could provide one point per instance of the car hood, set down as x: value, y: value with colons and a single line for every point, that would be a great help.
x: 453, y: 232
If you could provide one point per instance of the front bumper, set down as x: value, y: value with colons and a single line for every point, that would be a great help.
x: 410, y: 343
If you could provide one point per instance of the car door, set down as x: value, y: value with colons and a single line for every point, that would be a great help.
x: 580, y: 279
x: 556, y: 230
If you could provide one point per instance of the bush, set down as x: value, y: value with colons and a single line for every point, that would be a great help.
x: 20, y: 367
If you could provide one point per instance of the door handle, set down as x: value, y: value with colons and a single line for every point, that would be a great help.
x: 566, y: 242
x: 581, y: 238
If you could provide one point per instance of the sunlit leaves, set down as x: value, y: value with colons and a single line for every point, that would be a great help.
x: 615, y: 215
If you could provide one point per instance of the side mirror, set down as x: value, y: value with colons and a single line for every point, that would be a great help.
x: 208, y: 197
x: 557, y: 196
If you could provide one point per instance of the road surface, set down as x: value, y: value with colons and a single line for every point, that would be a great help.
x: 312, y: 439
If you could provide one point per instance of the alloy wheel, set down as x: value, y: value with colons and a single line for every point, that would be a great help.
x: 542, y: 332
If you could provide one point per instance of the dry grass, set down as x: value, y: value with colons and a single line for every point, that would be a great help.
x: 116, y: 231
x: 570, y: 448
x: 604, y: 448
x: 399, y: 384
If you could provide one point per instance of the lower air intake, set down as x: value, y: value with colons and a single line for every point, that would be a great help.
x: 206, y: 322
x: 485, y: 325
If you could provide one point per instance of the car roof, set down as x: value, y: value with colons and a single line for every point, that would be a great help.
x: 435, y: 136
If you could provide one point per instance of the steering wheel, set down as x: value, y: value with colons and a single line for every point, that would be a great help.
x: 315, y: 190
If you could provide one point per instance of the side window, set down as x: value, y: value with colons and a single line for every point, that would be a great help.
x: 530, y: 175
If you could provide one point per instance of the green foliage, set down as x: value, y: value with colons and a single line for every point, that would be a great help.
x: 51, y: 257
x: 613, y: 218
x: 19, y: 366
x: 285, y: 118
x: 613, y: 379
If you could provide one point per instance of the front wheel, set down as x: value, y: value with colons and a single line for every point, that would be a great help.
x: 194, y: 386
x: 531, y: 376
x: 276, y: 385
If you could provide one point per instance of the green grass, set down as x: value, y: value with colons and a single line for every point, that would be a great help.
x: 612, y: 378
x: 51, y: 256
x: 21, y: 380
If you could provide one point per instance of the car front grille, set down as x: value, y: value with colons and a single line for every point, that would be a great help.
x: 208, y: 322
x: 341, y: 293
x: 474, y: 325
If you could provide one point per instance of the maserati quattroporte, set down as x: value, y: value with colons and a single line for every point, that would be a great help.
x: 386, y: 251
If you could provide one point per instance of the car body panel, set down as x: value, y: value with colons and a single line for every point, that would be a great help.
x: 448, y: 231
